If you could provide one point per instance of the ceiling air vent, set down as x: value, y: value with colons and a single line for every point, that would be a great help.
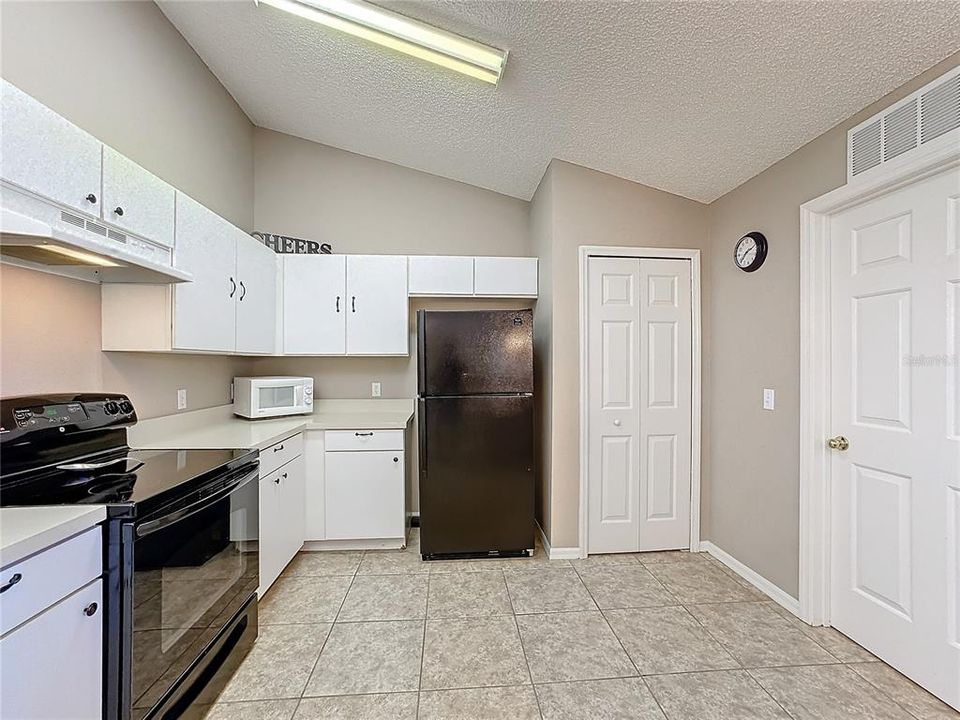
x: 931, y: 113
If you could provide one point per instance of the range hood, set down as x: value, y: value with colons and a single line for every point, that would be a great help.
x: 39, y: 235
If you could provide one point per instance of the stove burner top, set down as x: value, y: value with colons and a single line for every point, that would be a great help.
x: 119, y: 489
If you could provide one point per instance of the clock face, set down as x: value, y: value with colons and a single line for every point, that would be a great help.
x: 750, y: 251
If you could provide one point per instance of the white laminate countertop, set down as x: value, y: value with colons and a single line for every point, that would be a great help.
x: 28, y: 530
x: 218, y: 427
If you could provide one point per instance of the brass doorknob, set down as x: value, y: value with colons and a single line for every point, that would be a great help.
x: 838, y: 443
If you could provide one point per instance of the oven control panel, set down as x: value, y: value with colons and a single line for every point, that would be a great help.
x: 77, y: 411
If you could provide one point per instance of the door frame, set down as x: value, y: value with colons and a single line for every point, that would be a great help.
x: 586, y: 252
x: 815, y: 338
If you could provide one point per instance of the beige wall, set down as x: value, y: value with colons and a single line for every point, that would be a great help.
x: 751, y: 503
x: 122, y: 72
x: 541, y: 238
x: 592, y: 208
x: 362, y: 205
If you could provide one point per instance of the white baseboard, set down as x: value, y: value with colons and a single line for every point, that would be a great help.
x: 379, y: 544
x: 778, y: 595
x: 557, y: 553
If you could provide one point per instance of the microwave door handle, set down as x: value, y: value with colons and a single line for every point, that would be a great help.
x: 298, y: 396
x: 152, y: 526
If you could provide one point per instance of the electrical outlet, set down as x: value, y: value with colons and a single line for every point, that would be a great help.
x: 375, y: 389
x: 182, y: 399
x: 769, y: 399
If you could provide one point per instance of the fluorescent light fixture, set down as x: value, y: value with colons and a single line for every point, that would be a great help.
x: 82, y: 258
x: 398, y: 32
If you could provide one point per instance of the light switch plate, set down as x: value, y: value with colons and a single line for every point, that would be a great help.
x: 375, y: 389
x: 769, y: 399
x: 182, y: 399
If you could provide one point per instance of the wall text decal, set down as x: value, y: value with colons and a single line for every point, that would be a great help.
x: 285, y: 245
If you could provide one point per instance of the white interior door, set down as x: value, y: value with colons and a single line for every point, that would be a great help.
x: 639, y: 404
x: 895, y: 279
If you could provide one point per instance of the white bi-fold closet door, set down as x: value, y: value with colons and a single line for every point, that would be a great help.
x: 639, y: 386
x: 895, y: 415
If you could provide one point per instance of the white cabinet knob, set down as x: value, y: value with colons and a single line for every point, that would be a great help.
x: 617, y: 423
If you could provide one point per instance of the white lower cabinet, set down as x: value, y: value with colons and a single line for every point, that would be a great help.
x: 282, y: 500
x: 53, y: 663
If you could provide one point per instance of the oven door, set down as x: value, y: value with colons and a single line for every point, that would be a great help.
x: 195, y: 566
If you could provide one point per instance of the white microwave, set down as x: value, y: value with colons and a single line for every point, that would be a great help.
x: 262, y: 397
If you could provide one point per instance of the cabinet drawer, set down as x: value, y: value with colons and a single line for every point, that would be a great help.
x: 49, y: 576
x: 280, y: 454
x: 339, y: 440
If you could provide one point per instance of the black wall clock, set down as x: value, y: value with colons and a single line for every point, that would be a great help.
x: 750, y: 251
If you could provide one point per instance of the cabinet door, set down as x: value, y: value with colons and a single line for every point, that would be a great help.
x: 47, y: 154
x: 271, y: 546
x: 314, y: 304
x: 292, y: 499
x: 439, y: 275
x: 313, y: 461
x: 505, y: 276
x: 256, y: 295
x: 53, y: 664
x: 137, y: 200
x: 364, y: 495
x: 204, y: 311
x: 377, y: 305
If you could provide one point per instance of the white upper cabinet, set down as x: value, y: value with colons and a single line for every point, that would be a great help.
x: 505, y: 276
x: 314, y: 303
x: 137, y: 200
x: 440, y: 275
x: 204, y: 311
x: 48, y: 155
x: 378, y: 305
x: 256, y: 295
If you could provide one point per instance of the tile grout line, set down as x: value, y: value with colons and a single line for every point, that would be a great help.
x: 332, y: 626
x: 523, y: 650
x: 423, y: 640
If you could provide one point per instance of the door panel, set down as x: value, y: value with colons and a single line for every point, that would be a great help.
x: 377, y: 314
x: 314, y: 304
x: 894, y: 274
x: 256, y: 295
x: 204, y: 311
x: 614, y: 404
x: 136, y: 199
x: 364, y: 495
x: 639, y: 396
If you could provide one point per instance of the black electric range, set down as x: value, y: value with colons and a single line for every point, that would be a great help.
x: 180, y: 544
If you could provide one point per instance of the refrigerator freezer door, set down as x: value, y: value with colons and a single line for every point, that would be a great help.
x: 476, y: 474
x: 475, y: 353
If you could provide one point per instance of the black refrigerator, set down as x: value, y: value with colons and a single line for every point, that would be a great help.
x: 475, y: 418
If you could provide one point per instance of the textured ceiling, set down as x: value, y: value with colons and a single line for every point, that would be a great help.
x: 690, y: 97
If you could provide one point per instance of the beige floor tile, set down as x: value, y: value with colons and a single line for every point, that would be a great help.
x: 625, y: 586
x: 279, y: 664
x: 388, y: 706
x: 385, y: 597
x: 303, y: 600
x: 548, y: 591
x: 621, y: 699
x: 757, y: 636
x: 324, y: 563
x: 392, y: 562
x: 701, y: 582
x: 605, y: 559
x: 495, y: 703
x: 572, y: 646
x: 253, y: 710
x: 718, y: 695
x: 836, y: 643
x: 669, y: 556
x: 369, y: 657
x: 833, y: 692
x: 667, y: 640
x: 474, y: 652
x: 464, y: 595
x: 910, y: 696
